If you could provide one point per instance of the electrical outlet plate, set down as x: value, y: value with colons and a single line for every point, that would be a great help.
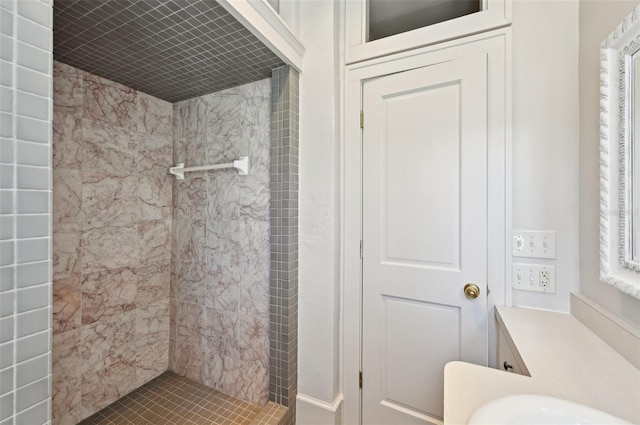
x: 534, y: 277
x: 534, y: 243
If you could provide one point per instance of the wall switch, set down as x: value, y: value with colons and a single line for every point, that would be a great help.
x: 534, y: 243
x: 534, y: 277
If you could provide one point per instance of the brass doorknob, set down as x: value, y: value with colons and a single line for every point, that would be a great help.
x: 471, y: 290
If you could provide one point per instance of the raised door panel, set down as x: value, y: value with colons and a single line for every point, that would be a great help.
x: 411, y: 320
x: 421, y: 226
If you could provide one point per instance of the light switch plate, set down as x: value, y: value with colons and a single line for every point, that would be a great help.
x: 534, y: 277
x: 534, y: 243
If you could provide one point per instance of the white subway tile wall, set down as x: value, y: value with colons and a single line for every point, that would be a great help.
x: 25, y: 211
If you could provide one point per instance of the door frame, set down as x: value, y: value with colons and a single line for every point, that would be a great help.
x: 497, y: 45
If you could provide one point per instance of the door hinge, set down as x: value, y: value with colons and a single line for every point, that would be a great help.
x: 361, y: 249
x: 361, y: 119
x: 488, y: 290
x: 360, y: 379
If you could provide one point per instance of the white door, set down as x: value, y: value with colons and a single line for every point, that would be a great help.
x: 424, y: 235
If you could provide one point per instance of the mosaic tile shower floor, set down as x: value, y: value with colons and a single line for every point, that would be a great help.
x: 171, y: 399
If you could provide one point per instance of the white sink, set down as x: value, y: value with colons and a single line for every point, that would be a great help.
x: 539, y: 410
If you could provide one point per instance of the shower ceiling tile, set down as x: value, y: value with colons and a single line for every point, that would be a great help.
x: 170, y: 49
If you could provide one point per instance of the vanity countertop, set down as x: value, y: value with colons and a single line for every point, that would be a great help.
x: 565, y: 360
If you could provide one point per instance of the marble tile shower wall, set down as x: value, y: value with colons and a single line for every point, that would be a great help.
x: 221, y: 248
x: 112, y: 200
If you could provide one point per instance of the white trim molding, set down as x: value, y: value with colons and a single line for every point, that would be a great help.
x: 617, y: 266
x: 318, y: 412
x: 265, y: 23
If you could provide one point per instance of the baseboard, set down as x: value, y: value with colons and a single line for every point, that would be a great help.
x: 619, y: 335
x: 311, y: 411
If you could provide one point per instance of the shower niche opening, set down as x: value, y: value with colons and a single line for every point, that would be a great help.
x: 174, y: 300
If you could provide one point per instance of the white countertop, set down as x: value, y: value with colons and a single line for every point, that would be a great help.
x: 565, y: 360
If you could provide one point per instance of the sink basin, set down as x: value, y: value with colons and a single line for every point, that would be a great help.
x: 540, y: 410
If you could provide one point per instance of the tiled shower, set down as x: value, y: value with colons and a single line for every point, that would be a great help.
x: 111, y: 241
x: 220, y: 264
x: 150, y: 274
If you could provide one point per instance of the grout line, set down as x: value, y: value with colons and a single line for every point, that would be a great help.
x: 14, y: 124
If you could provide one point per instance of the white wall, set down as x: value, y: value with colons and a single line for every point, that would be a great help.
x: 546, y: 185
x: 318, y: 320
x: 597, y: 20
x: 545, y: 136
